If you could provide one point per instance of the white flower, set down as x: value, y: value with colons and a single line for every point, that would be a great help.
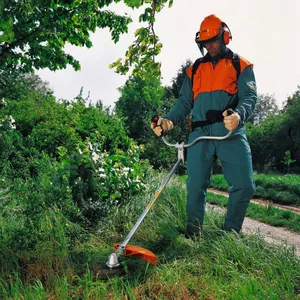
x: 102, y: 175
x: 95, y: 156
x: 12, y: 122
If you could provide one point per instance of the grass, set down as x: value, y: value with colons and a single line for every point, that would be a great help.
x: 283, y: 189
x: 267, y: 214
x: 216, y: 266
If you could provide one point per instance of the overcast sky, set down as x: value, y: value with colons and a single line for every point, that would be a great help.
x: 265, y: 32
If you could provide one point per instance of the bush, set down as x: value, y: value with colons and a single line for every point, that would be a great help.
x: 98, y: 180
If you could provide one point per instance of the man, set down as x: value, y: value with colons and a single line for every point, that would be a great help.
x: 221, y: 81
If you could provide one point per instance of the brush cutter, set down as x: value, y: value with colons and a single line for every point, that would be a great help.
x: 123, y: 249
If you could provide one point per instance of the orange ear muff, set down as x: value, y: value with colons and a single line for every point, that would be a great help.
x: 226, y: 33
x: 226, y: 37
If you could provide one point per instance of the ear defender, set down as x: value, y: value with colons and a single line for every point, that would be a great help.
x: 212, y: 28
x: 226, y: 33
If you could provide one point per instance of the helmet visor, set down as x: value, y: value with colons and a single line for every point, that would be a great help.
x: 203, y: 42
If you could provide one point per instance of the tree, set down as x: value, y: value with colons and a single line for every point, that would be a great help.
x: 177, y: 80
x: 68, y: 154
x: 292, y: 100
x: 141, y: 98
x: 287, y: 160
x: 265, y: 106
x: 181, y: 131
x: 275, y: 135
x: 33, y: 33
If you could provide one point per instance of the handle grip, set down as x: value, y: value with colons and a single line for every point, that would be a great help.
x: 229, y: 111
x: 154, y: 120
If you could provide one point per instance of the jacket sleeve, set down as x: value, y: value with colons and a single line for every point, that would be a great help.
x: 184, y: 104
x: 247, y: 93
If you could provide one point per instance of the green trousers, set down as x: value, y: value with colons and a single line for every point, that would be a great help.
x: 235, y: 156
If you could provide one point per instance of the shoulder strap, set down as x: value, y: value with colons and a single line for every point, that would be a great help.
x: 194, y: 69
x: 236, y: 64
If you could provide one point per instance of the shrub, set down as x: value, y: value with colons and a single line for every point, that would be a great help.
x: 99, y: 180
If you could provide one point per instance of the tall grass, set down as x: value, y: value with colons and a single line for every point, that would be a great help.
x: 215, y: 266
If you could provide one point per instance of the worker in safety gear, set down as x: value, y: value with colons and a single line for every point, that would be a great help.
x: 207, y: 94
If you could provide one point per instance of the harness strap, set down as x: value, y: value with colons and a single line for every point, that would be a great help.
x: 212, y: 116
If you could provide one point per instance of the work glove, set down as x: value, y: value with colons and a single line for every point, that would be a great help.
x: 231, y: 121
x: 160, y: 125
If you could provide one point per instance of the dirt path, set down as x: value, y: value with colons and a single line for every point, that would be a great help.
x: 271, y: 234
x: 295, y: 209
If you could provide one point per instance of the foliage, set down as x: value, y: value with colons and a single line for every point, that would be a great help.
x: 33, y: 33
x: 40, y: 29
x: 291, y: 100
x: 142, y: 97
x: 99, y: 181
x: 146, y: 46
x: 275, y: 135
x: 265, y: 106
x: 287, y: 160
x: 40, y: 135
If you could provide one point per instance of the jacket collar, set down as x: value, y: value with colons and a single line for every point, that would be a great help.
x: 225, y: 54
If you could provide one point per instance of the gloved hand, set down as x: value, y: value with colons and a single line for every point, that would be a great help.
x: 160, y: 125
x: 231, y: 121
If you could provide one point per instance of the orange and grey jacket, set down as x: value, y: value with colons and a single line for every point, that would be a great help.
x: 216, y: 87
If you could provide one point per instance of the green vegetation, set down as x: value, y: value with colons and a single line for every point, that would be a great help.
x: 42, y: 28
x: 274, y: 136
x: 283, y: 189
x: 217, y: 266
x: 63, y: 165
x: 266, y: 214
x: 73, y: 175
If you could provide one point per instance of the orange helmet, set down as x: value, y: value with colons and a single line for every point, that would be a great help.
x: 213, y: 27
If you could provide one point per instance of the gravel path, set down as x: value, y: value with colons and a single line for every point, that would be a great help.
x: 271, y: 234
x: 295, y: 209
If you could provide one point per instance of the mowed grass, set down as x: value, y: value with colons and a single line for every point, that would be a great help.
x: 268, y: 214
x: 218, y: 265
x: 283, y: 189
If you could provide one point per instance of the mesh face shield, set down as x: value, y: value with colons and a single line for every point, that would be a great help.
x: 201, y: 44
